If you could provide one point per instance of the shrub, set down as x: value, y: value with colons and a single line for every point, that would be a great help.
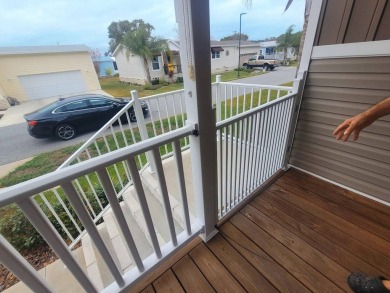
x: 152, y: 87
x: 249, y: 70
x: 155, y: 81
x: 179, y: 79
x: 108, y: 72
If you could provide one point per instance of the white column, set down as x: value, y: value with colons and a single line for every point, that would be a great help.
x: 194, y: 31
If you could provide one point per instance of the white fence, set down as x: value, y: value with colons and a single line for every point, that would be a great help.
x: 250, y: 150
x: 252, y: 129
x: 64, y: 180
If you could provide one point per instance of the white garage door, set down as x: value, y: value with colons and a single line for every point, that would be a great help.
x: 37, y: 86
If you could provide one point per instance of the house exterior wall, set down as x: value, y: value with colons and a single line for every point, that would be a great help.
x: 103, y: 66
x: 13, y: 66
x: 349, y: 21
x: 3, y: 101
x: 229, y: 57
x: 335, y: 90
x: 131, y: 69
x: 158, y: 73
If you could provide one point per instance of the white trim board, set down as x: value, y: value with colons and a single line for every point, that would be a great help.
x: 363, y: 49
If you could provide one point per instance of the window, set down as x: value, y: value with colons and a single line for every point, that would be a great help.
x: 155, y: 63
x: 96, y: 103
x: 215, y: 55
x: 74, y: 106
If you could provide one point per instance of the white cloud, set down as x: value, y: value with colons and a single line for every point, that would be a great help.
x: 48, y: 22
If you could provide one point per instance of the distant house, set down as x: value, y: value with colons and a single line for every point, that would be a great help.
x: 131, y: 67
x: 269, y: 51
x: 36, y: 72
x: 106, y: 64
x: 223, y: 54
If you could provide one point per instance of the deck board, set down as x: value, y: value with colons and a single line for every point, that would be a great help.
x: 190, y: 276
x: 302, y: 234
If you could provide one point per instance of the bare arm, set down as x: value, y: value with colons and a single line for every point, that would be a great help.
x: 357, y: 123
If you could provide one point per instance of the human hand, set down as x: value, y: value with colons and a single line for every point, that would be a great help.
x: 353, y: 125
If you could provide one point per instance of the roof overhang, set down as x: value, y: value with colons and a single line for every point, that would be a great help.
x: 216, y: 49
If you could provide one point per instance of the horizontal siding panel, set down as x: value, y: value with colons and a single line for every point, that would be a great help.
x: 350, y: 80
x: 379, y: 127
x: 350, y: 147
x: 338, y: 107
x: 365, y: 138
x: 341, y: 178
x: 364, y: 96
x: 352, y: 65
x: 334, y: 154
x: 361, y: 174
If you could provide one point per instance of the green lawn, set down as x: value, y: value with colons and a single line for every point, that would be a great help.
x: 118, y: 89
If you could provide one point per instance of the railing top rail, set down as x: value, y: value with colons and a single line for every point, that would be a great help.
x: 253, y: 111
x: 161, y: 95
x: 276, y: 87
x: 26, y: 189
x: 96, y: 135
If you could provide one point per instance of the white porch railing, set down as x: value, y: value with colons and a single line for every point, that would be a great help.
x: 232, y: 99
x: 167, y: 113
x: 64, y: 180
x: 250, y: 150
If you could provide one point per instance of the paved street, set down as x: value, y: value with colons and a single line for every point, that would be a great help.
x: 277, y: 76
x: 16, y: 144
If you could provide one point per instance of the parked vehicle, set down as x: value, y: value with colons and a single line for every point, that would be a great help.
x: 67, y: 117
x: 259, y: 61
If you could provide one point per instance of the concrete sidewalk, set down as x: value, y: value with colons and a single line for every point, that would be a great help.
x: 8, y: 168
x: 14, y: 114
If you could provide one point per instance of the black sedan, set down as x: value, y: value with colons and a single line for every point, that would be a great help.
x: 69, y: 116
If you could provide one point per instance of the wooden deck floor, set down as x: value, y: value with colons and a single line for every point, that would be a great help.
x: 302, y: 234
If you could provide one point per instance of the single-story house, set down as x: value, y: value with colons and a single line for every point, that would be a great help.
x: 131, y: 68
x: 223, y: 54
x: 106, y: 64
x: 269, y: 51
x: 36, y: 72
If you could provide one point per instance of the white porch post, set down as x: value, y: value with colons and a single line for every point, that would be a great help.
x: 193, y: 20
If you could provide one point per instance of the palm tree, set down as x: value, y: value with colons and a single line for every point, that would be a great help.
x: 285, y: 41
x: 248, y: 3
x: 141, y: 43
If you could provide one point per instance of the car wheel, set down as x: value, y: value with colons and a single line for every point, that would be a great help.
x: 271, y: 68
x: 65, y: 131
x: 266, y: 67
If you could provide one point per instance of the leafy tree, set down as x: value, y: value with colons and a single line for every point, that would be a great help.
x: 288, y: 39
x: 117, y: 30
x: 141, y: 43
x: 235, y: 36
x: 248, y: 3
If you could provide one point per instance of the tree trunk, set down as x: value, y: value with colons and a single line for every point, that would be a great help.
x: 146, y: 66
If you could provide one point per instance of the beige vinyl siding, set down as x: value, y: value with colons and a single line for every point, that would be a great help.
x: 131, y: 68
x: 13, y: 66
x: 229, y: 61
x: 335, y: 90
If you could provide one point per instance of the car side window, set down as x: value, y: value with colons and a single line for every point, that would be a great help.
x: 96, y: 102
x: 73, y: 106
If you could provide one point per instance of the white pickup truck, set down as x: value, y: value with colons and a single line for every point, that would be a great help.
x: 259, y: 61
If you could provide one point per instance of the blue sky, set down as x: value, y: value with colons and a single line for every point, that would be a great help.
x: 67, y: 22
